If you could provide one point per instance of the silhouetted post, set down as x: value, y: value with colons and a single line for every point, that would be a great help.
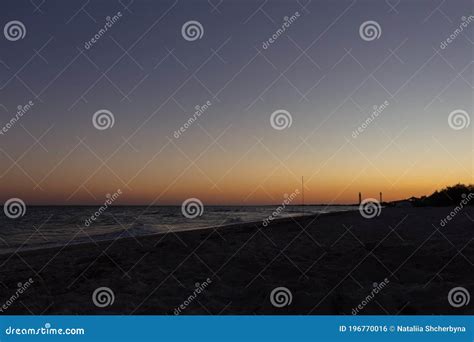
x: 360, y: 198
x: 380, y: 197
x: 302, y: 191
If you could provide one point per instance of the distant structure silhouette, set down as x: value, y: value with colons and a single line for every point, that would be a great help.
x: 380, y: 197
x: 360, y: 198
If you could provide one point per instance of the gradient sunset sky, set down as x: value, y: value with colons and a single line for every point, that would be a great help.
x: 320, y: 70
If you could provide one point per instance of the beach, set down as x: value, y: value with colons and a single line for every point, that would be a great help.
x: 330, y: 263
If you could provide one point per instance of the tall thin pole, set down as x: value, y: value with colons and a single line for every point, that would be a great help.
x: 302, y: 191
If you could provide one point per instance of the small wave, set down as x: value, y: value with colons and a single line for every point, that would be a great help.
x: 233, y: 220
x: 140, y: 229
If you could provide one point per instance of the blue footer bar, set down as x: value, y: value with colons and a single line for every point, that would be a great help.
x: 236, y: 328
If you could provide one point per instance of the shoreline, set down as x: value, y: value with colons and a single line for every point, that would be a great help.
x: 329, y: 262
x: 242, y: 225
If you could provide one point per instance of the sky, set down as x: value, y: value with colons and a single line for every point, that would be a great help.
x: 322, y: 72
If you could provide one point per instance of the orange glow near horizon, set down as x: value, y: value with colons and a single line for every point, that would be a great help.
x: 255, y: 180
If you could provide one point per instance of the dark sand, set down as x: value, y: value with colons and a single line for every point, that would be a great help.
x: 330, y: 267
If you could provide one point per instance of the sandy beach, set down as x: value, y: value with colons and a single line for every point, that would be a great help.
x: 330, y: 263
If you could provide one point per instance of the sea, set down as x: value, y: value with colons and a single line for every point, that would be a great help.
x: 52, y: 226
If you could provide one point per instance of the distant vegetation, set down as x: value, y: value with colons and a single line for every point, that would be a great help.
x: 451, y: 195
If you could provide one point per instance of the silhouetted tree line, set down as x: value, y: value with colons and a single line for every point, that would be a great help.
x: 451, y: 195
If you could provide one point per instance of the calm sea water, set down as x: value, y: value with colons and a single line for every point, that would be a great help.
x: 43, y: 227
